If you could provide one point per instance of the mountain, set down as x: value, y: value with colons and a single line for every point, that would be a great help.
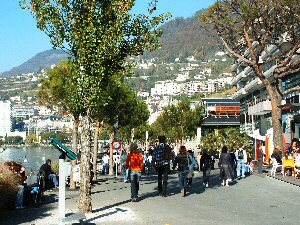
x: 42, y: 60
x: 182, y: 37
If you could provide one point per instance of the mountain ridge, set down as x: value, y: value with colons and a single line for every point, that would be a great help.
x: 182, y: 37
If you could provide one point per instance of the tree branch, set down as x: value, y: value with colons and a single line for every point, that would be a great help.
x: 231, y: 51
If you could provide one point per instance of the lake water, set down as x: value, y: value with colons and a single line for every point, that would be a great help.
x: 35, y: 156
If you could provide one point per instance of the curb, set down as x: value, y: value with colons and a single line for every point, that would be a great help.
x: 297, y: 185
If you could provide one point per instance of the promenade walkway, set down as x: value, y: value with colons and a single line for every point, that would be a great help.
x: 254, y: 200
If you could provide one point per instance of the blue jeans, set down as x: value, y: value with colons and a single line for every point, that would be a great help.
x: 182, y: 175
x: 125, y: 172
x: 106, y: 168
x: 53, y: 177
x: 240, y: 166
x: 135, y: 178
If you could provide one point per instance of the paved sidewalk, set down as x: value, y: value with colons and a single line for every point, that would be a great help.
x: 254, y: 200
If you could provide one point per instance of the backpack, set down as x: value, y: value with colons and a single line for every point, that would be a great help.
x: 241, y: 154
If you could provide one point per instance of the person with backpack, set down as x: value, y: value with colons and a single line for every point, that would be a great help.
x: 241, y: 158
x: 205, y: 166
x: 161, y: 162
x: 135, y: 163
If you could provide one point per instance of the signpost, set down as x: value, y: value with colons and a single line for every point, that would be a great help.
x: 65, y: 152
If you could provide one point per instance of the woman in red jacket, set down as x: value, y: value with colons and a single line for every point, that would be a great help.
x: 135, y: 163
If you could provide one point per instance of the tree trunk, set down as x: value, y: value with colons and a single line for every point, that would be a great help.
x: 276, y: 99
x: 111, y: 155
x: 96, y: 134
x: 85, y: 203
x: 74, y: 148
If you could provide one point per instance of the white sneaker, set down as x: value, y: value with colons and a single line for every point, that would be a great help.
x: 206, y: 185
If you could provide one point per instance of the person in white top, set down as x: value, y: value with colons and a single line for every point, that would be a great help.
x: 106, y: 163
x: 241, y: 158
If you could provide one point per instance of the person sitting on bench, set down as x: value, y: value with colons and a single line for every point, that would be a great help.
x: 48, y: 172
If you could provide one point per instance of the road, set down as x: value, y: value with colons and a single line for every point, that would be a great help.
x: 254, y: 200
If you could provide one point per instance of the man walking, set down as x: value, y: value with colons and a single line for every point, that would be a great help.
x: 123, y: 159
x: 241, y: 158
x: 135, y: 163
x: 161, y: 162
x: 106, y: 163
x: 205, y: 166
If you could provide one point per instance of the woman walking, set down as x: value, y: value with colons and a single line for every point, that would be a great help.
x: 136, y: 165
x: 183, y: 169
x: 224, y: 164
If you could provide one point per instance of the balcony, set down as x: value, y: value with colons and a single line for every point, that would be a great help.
x: 253, y: 85
x: 239, y: 94
x: 268, y: 73
x: 260, y: 108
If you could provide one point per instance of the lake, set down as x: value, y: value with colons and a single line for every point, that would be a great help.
x: 35, y: 156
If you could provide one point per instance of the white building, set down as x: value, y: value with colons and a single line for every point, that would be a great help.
x: 23, y: 112
x: 164, y: 88
x: 5, y: 118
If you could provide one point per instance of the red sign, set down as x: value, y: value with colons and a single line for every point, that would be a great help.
x: 116, y: 144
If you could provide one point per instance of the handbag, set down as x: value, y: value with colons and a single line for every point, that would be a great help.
x: 190, y: 174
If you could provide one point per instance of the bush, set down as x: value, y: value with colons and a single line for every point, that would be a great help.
x: 8, y: 190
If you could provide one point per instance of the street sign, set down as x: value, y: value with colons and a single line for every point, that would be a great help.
x: 116, y: 144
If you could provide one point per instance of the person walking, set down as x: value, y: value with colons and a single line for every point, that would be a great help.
x: 198, y: 161
x: 181, y: 161
x: 106, y: 163
x: 260, y: 156
x: 224, y: 164
x: 161, y: 162
x: 205, y: 167
x: 192, y: 164
x: 135, y: 163
x: 233, y: 163
x: 149, y: 163
x: 123, y: 159
x: 241, y: 158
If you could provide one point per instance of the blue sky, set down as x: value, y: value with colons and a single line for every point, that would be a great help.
x: 20, y: 39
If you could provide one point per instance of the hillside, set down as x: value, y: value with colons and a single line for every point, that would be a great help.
x: 40, y: 61
x: 184, y: 37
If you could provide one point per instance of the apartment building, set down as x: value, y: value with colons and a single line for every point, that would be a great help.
x: 5, y: 118
x: 256, y: 110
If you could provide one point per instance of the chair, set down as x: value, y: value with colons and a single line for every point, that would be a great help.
x: 275, y: 165
x: 288, y: 164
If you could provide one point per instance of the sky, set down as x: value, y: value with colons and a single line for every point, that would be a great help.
x: 20, y: 39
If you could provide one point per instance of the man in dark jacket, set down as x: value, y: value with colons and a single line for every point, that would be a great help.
x: 205, y: 166
x: 48, y: 172
x: 161, y: 162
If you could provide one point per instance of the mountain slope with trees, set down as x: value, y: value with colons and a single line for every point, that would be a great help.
x: 184, y: 37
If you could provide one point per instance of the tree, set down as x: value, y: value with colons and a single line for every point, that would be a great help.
x: 59, y: 88
x: 126, y: 106
x: 179, y: 121
x: 253, y: 27
x: 231, y: 137
x: 99, y: 35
